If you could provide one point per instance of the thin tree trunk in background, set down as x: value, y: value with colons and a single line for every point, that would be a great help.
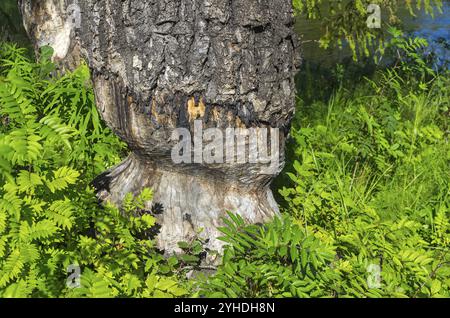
x: 11, y: 28
x: 162, y: 64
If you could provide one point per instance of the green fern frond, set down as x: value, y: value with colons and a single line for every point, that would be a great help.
x: 14, y: 100
x: 61, y: 212
x: 24, y: 232
x: 20, y: 289
x: 54, y: 130
x: 36, y: 204
x: 11, y: 267
x: 26, y: 145
x: 30, y: 253
x: 3, y: 217
x: 93, y: 286
x: 3, y: 242
x: 42, y: 230
x: 28, y: 181
x: 11, y: 204
x: 62, y: 178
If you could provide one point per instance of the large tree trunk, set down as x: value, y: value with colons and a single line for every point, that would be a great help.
x: 162, y: 64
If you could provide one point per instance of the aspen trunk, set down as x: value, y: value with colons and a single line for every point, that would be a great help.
x: 162, y: 65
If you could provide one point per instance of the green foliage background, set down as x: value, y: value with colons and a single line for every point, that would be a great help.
x: 366, y: 186
x: 52, y: 144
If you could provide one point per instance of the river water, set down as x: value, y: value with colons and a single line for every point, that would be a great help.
x: 423, y: 25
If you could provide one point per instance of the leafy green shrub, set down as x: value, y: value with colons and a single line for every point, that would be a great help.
x: 52, y: 144
x: 280, y: 259
x: 367, y: 204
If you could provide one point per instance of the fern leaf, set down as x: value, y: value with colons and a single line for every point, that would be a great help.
x: 30, y: 253
x: 42, y: 230
x: 62, y: 178
x: 93, y: 286
x: 54, y: 130
x: 26, y: 145
x: 35, y: 204
x: 24, y: 232
x: 61, y: 212
x: 17, y: 290
x: 14, y: 98
x: 6, y: 152
x: 11, y: 204
x: 11, y: 268
x: 28, y: 181
x: 2, y: 221
x: 3, y: 241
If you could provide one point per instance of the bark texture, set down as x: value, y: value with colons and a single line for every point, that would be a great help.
x: 161, y: 64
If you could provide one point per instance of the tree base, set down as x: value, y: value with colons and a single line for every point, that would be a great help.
x: 192, y: 205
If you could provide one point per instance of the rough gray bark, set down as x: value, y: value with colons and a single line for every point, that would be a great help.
x: 159, y: 65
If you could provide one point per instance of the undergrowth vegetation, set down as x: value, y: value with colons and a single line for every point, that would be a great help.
x: 52, y: 144
x: 365, y: 195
